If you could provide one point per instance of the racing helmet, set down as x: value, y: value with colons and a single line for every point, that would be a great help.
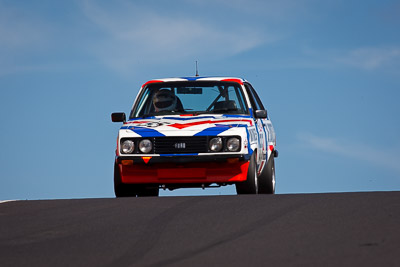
x: 164, y: 100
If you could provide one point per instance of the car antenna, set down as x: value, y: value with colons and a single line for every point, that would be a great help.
x: 197, y: 70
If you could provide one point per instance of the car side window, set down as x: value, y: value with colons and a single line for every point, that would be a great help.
x: 253, y: 101
x: 256, y: 98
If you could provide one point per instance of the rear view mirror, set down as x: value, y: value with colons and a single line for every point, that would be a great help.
x: 189, y: 91
x: 118, y: 117
x: 262, y: 114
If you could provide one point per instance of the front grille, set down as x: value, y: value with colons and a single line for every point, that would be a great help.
x: 180, y: 145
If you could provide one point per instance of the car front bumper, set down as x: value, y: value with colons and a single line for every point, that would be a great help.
x: 183, y: 169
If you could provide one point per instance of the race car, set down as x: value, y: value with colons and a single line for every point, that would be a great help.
x: 195, y: 132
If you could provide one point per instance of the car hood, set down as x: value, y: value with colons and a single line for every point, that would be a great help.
x: 186, y: 125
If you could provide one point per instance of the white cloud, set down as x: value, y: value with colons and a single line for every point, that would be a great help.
x: 385, y: 58
x: 135, y: 35
x: 268, y: 9
x: 371, y: 58
x: 380, y: 157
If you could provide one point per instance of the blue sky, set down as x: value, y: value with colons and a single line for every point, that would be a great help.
x: 327, y: 71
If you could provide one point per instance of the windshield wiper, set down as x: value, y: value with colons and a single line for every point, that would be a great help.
x: 147, y: 115
x: 162, y: 113
x: 196, y: 113
x: 224, y: 109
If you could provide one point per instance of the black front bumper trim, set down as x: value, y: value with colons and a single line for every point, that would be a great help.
x: 183, y: 159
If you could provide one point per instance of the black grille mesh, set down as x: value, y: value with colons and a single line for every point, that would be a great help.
x: 173, y: 145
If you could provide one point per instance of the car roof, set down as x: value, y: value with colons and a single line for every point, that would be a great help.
x: 197, y: 78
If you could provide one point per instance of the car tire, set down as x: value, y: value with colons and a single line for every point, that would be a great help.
x: 250, y: 186
x: 121, y: 189
x: 266, y: 180
x: 132, y: 190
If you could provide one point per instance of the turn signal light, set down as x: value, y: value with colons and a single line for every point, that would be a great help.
x: 146, y: 159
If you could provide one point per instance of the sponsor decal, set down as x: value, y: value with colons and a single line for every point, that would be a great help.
x: 180, y: 145
x: 152, y: 124
x: 253, y: 135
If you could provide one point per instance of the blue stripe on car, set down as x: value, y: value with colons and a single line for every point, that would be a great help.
x: 170, y: 155
x: 218, y: 129
x: 212, y: 131
x: 236, y: 116
x: 143, y: 132
x: 251, y: 112
x: 192, y: 78
x: 248, y: 142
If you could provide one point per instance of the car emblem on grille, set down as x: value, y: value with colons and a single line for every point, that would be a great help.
x: 180, y: 145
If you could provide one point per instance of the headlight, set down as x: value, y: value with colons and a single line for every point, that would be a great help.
x: 127, y: 146
x: 233, y: 144
x: 145, y: 146
x: 215, y: 144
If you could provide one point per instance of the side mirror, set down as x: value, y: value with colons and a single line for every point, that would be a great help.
x: 262, y: 114
x: 118, y: 117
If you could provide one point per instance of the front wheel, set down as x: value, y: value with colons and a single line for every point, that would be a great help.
x: 267, y: 178
x: 250, y: 186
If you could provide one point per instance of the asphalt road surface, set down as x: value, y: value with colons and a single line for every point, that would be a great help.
x: 344, y: 229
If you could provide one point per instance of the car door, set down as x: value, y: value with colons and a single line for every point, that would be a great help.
x: 260, y: 124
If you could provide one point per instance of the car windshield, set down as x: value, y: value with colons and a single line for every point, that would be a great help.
x: 175, y: 98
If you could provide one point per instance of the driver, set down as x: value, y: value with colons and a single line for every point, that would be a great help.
x: 164, y: 100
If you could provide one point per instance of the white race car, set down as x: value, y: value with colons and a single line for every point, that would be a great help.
x: 195, y: 132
